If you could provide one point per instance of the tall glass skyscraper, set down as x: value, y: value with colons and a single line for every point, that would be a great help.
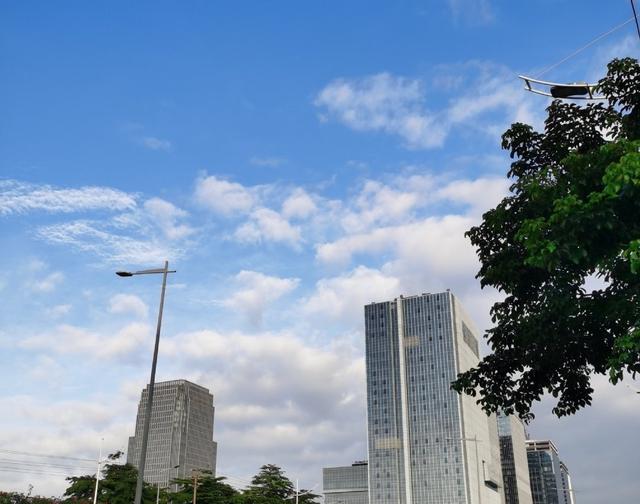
x: 513, y: 455
x: 427, y: 444
x: 550, y: 481
x: 180, y: 432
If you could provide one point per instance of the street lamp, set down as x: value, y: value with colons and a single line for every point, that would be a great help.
x: 145, y: 433
x: 475, y: 441
x: 158, y: 486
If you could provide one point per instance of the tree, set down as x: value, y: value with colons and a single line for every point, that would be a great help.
x: 269, y: 486
x: 573, y: 214
x: 210, y: 490
x: 117, y: 486
x: 20, y: 498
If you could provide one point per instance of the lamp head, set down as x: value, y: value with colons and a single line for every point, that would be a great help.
x: 124, y: 273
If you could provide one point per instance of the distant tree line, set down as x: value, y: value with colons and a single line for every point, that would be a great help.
x: 118, y: 484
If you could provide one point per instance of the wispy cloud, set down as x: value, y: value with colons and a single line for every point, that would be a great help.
x: 48, y: 283
x: 68, y: 339
x: 256, y: 291
x: 111, y: 244
x: 156, y: 144
x: 383, y: 102
x: 476, y: 12
x: 483, y: 97
x: 21, y: 197
x: 271, y: 162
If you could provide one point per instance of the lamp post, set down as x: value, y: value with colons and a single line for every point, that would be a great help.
x: 145, y: 433
x: 475, y: 441
x: 95, y: 492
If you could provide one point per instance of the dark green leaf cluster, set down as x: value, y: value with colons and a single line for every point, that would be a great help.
x: 19, y: 498
x: 269, y: 486
x: 117, y: 485
x: 573, y: 214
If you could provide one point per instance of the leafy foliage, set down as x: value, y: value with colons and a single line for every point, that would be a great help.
x: 573, y: 214
x: 19, y: 498
x: 117, y: 485
x: 269, y: 486
x: 210, y: 490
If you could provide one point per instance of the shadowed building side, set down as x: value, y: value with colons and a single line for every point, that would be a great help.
x: 513, y: 455
x: 180, y: 432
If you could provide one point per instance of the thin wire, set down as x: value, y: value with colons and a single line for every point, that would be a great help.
x: 29, y: 454
x: 598, y: 38
x: 635, y: 15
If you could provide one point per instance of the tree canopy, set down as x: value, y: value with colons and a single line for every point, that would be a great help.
x: 269, y: 486
x: 117, y: 485
x: 564, y: 249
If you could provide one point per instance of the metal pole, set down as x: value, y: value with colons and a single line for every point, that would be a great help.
x: 475, y: 440
x: 95, y: 492
x: 147, y: 418
x: 297, y: 491
x: 158, y: 494
x: 195, y: 486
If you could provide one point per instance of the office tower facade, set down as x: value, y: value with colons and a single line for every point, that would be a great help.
x: 550, y: 481
x: 566, y: 490
x: 513, y: 457
x: 427, y: 444
x: 346, y: 485
x: 180, y: 432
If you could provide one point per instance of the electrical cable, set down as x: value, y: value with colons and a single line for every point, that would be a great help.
x: 635, y: 15
x: 30, y: 454
x: 589, y: 44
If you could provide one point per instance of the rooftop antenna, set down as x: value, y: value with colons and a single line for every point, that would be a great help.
x: 573, y: 90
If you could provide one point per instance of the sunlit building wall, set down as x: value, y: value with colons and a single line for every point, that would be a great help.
x: 427, y: 444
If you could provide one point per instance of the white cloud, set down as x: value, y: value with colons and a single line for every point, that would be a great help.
x: 112, y: 244
x: 156, y: 144
x: 128, y: 304
x: 222, y: 196
x: 343, y: 297
x: 383, y: 102
x: 278, y: 398
x: 166, y: 216
x: 48, y: 424
x: 48, y: 283
x: 20, y: 197
x: 59, y: 310
x: 266, y: 225
x: 379, y: 203
x: 257, y: 291
x: 68, y: 339
x: 478, y: 195
x: 298, y: 205
x: 485, y: 98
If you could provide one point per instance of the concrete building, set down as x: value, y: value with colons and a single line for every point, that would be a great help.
x: 427, y: 444
x: 346, y: 485
x: 550, y: 481
x: 513, y: 456
x: 180, y: 432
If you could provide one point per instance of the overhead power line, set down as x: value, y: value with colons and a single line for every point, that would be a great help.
x: 31, y: 454
x: 589, y: 44
x: 635, y: 15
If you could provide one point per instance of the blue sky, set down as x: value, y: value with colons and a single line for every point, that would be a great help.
x: 293, y: 160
